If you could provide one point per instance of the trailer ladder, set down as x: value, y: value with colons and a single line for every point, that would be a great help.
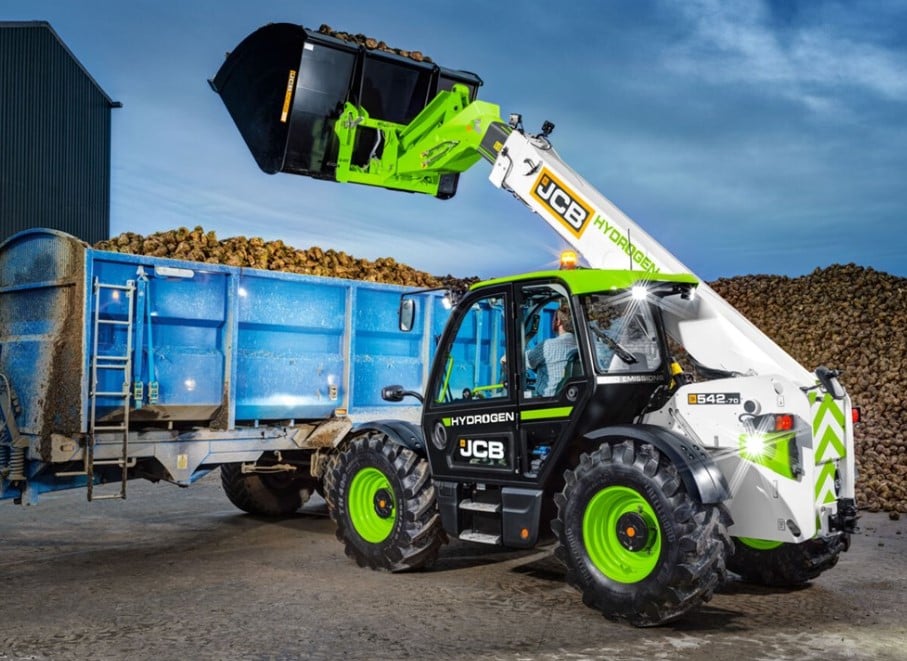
x: 110, y: 363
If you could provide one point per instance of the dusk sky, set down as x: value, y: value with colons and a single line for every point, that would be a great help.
x: 747, y: 137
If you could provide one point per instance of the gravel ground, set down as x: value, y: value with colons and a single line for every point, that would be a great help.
x: 172, y: 573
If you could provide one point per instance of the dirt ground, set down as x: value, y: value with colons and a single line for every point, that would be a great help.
x: 172, y: 574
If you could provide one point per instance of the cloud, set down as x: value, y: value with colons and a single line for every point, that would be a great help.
x: 813, y: 63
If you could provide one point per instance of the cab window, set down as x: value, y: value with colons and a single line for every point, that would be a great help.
x: 623, y: 333
x: 548, y: 341
x: 474, y: 366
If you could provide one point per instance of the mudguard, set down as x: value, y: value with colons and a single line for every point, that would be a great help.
x: 698, y: 471
x: 404, y: 433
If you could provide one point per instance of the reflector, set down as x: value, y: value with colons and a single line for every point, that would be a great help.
x: 784, y: 422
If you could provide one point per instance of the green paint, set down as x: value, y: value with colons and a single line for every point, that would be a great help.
x: 444, y: 138
x: 587, y: 281
x: 776, y: 455
x: 830, y: 414
x: 491, y: 388
x: 759, y: 544
x: 830, y: 440
x: 600, y: 535
x: 445, y: 385
x: 825, y: 481
x: 828, y: 406
x: 542, y: 414
x: 364, y: 486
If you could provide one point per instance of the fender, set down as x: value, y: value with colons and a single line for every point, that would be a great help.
x: 696, y: 467
x: 401, y: 432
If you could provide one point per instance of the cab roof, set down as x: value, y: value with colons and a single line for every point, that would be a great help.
x: 584, y: 281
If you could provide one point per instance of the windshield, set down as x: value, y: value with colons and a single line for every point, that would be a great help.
x: 623, y: 332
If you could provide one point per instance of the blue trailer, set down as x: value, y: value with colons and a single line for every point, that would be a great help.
x: 117, y: 366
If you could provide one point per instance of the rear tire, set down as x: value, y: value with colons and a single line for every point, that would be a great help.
x: 264, y: 494
x: 382, y: 499
x: 635, y: 543
x: 785, y: 565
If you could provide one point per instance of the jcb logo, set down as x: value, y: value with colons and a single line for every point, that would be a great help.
x: 477, y: 448
x: 570, y: 209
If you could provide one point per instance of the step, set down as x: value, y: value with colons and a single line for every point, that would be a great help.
x: 476, y: 506
x: 480, y: 537
x: 111, y: 366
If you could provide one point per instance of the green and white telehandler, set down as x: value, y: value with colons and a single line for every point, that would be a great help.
x: 654, y: 478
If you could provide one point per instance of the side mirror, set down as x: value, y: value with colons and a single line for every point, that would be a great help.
x: 392, y: 393
x: 396, y: 393
x: 407, y: 314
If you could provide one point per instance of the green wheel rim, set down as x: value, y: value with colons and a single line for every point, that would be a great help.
x: 365, y: 488
x: 759, y: 544
x: 600, y: 535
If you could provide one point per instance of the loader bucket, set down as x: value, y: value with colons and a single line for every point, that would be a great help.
x: 285, y: 86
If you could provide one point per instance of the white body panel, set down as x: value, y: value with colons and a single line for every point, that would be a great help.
x: 763, y: 500
x: 717, y: 336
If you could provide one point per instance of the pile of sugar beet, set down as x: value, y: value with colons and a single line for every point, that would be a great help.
x: 847, y: 317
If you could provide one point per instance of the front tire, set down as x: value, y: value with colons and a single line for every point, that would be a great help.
x: 635, y: 543
x: 785, y: 565
x: 382, y: 499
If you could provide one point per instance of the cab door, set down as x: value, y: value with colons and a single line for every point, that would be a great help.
x: 552, y: 371
x: 470, y: 413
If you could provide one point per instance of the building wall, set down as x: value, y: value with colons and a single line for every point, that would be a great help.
x: 54, y: 137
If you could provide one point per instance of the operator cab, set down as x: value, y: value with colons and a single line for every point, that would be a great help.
x: 527, y: 366
x: 524, y: 369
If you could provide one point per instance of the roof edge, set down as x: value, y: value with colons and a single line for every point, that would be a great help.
x: 48, y: 26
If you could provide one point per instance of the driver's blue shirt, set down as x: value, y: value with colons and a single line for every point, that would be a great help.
x: 550, y: 357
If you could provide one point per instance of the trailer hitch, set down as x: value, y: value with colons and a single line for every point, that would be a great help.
x: 845, y: 520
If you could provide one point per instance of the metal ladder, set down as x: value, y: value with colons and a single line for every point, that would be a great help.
x: 112, y: 363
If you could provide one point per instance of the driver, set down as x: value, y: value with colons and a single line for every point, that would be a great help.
x: 551, y: 356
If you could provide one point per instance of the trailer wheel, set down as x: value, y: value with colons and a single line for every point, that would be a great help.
x: 635, y: 543
x: 264, y: 494
x: 779, y: 564
x: 382, y: 499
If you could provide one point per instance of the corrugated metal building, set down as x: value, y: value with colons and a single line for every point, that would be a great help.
x: 54, y: 137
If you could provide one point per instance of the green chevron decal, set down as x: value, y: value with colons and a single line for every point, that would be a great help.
x: 825, y: 484
x: 828, y: 427
x: 829, y: 436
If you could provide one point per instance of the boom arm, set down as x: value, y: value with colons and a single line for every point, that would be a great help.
x: 451, y: 134
x: 716, y: 334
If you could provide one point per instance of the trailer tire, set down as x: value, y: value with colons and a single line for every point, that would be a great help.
x: 382, y: 499
x: 636, y: 544
x: 264, y: 494
x: 785, y: 565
